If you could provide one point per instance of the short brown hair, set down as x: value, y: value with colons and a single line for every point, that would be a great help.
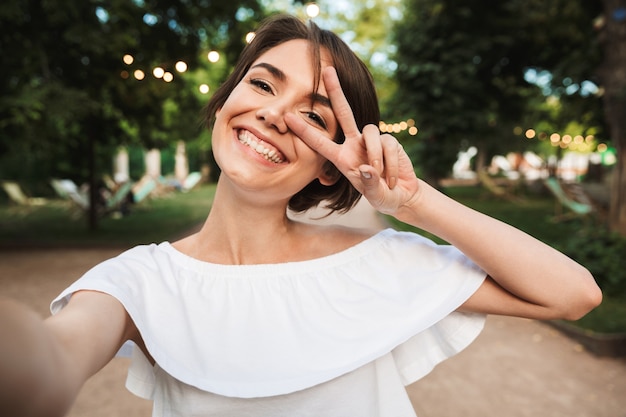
x: 356, y: 83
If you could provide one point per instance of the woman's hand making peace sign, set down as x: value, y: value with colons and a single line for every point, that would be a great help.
x: 375, y: 164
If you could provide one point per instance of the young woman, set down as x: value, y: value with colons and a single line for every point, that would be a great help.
x: 260, y: 315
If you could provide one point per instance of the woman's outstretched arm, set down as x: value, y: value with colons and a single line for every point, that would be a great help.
x: 44, y: 363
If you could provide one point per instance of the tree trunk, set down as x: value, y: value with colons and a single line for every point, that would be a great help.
x: 613, y: 75
x: 92, y: 212
x: 617, y: 214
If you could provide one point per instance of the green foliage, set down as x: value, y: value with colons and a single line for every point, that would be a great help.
x: 608, y: 317
x: 602, y: 252
x: 64, y: 88
x: 67, y: 98
x: 369, y: 30
x: 460, y: 75
x: 461, y: 68
x: 561, y: 37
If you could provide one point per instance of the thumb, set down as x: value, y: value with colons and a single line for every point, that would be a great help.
x: 370, y: 180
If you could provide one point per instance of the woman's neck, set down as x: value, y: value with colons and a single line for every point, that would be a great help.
x: 242, y: 229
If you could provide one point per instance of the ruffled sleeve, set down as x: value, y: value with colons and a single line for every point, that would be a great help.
x: 263, y: 330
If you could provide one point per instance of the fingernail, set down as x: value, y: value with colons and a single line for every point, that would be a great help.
x: 366, y: 175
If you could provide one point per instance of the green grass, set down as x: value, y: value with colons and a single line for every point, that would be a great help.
x: 534, y: 214
x: 171, y: 216
x: 608, y: 317
x: 58, y: 223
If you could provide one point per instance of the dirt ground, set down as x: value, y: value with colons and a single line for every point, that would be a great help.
x: 516, y: 367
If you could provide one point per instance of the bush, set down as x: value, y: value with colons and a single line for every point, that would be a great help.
x: 604, y: 254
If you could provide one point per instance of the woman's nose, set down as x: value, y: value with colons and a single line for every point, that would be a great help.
x: 273, y: 116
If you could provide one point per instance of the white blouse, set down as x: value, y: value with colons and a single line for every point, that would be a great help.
x: 335, y: 336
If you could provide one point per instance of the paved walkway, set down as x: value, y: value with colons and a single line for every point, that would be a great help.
x: 516, y: 367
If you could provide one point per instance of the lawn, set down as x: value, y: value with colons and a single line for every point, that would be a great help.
x: 170, y: 216
x: 533, y: 214
x: 58, y: 223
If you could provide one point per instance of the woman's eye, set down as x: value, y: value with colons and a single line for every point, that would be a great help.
x: 261, y: 84
x: 316, y: 119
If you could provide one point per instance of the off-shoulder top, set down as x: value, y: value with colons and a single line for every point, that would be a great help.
x: 343, y: 333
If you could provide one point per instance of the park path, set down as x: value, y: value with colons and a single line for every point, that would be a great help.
x: 516, y: 367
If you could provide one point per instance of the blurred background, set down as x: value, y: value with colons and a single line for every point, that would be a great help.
x: 515, y: 107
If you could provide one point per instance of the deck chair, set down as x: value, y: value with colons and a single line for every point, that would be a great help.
x: 499, y: 191
x: 573, y: 198
x: 15, y: 193
x: 68, y: 190
x: 119, y: 197
x: 143, y: 188
x: 191, y: 181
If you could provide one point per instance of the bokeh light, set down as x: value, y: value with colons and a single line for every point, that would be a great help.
x: 158, y: 72
x: 312, y: 10
x: 213, y: 56
x: 181, y: 66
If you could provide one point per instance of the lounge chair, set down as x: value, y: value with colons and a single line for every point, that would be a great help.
x: 191, y: 181
x: 571, y: 196
x: 15, y: 193
x: 143, y: 188
x: 496, y: 189
x: 119, y: 199
x: 68, y: 190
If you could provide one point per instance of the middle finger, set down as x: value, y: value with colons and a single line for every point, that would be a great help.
x: 341, y: 107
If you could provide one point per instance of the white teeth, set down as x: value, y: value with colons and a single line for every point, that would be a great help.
x: 269, y: 154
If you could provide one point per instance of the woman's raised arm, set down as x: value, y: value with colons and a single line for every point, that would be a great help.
x: 526, y: 277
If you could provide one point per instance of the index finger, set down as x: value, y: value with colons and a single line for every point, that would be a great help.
x: 314, y: 139
x: 341, y: 107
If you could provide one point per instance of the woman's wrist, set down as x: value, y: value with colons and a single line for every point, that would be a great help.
x: 415, y: 210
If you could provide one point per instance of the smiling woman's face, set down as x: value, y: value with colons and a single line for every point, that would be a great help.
x: 251, y: 142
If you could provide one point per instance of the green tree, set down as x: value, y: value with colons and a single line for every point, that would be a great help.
x: 612, y: 34
x: 458, y: 71
x: 461, y: 69
x: 66, y: 96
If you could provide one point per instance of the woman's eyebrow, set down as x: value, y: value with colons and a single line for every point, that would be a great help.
x: 272, y: 69
x: 321, y: 99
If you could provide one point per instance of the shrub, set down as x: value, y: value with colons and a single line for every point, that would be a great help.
x: 604, y: 254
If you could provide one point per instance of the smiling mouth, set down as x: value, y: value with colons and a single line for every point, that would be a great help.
x: 262, y: 148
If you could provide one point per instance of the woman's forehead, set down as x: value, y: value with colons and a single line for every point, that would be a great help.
x: 287, y: 51
x: 295, y: 52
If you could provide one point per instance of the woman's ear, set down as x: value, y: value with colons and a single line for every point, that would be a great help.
x: 330, y: 174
